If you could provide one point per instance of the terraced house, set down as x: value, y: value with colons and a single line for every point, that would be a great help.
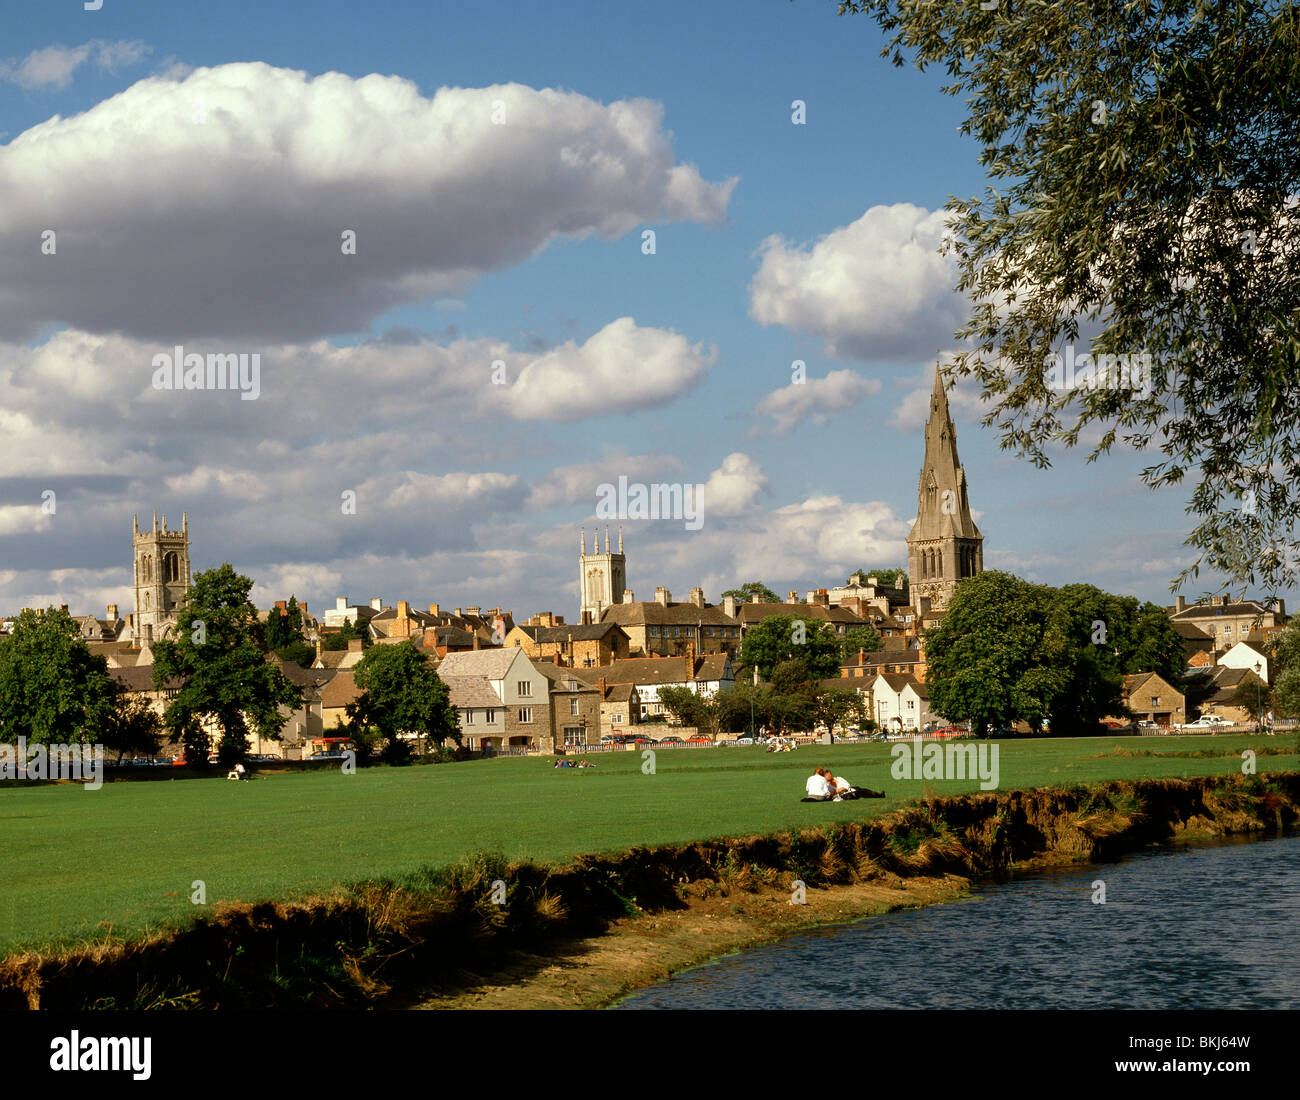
x: 662, y: 628
x: 705, y: 674
x: 521, y: 690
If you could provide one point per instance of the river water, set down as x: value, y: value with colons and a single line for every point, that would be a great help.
x: 1206, y: 927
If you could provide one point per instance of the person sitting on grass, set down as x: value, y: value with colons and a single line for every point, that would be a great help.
x: 818, y: 789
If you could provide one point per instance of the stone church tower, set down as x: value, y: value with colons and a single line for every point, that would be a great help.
x: 162, y: 577
x: 945, y: 546
x: 601, y: 577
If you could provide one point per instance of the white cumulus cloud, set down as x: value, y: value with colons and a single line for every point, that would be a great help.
x: 816, y: 398
x: 876, y: 289
x: 217, y: 205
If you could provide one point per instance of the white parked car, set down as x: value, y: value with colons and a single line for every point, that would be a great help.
x: 1206, y: 722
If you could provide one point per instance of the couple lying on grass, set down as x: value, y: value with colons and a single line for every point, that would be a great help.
x: 823, y: 786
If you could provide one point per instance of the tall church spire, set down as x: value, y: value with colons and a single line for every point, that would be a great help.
x: 944, y: 546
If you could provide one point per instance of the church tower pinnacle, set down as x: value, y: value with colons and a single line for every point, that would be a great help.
x: 944, y: 546
x: 161, y: 575
x: 601, y: 577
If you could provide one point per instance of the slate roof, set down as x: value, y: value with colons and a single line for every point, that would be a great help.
x: 659, y: 670
x: 559, y: 676
x: 341, y: 690
x: 579, y: 632
x: 493, y: 663
x: 750, y: 613
x: 140, y: 678
x: 1208, y: 610
x: 471, y: 692
x: 673, y: 614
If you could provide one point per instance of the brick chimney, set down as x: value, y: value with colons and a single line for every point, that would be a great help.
x: 112, y: 613
x: 697, y: 596
x: 729, y: 606
x: 628, y: 597
x: 792, y: 597
x: 755, y: 598
x: 473, y: 611
x: 690, y: 662
x: 340, y: 603
x: 1180, y: 604
x: 282, y: 606
x: 430, y: 640
x: 433, y: 609
x: 603, y: 687
x: 545, y: 618
x: 377, y: 603
x: 663, y: 597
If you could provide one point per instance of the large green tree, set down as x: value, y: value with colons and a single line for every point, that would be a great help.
x: 749, y: 589
x: 1285, y: 670
x: 133, y: 728
x: 218, y: 654
x: 782, y: 637
x: 858, y: 638
x: 987, y: 659
x: 52, y: 688
x: 1143, y: 162
x: 893, y: 577
x: 400, y: 693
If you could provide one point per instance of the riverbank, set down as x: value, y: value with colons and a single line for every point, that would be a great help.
x: 484, y: 924
x: 639, y: 951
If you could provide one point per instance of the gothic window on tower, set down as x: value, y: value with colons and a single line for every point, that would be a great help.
x: 171, y: 568
x: 146, y: 569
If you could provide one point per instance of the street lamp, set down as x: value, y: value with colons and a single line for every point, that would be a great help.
x: 1259, y: 669
x: 751, y: 702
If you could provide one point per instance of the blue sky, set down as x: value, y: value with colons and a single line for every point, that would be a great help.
x: 200, y: 208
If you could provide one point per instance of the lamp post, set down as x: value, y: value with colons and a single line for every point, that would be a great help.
x: 751, y: 702
x: 1259, y: 669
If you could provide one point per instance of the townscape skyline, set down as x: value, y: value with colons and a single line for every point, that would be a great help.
x: 459, y: 329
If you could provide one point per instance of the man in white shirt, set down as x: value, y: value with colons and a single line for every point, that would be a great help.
x: 818, y: 789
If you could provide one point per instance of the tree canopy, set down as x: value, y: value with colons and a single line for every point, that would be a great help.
x: 1144, y: 164
x: 52, y: 688
x: 782, y: 637
x: 749, y: 589
x: 894, y: 578
x: 1010, y: 651
x: 218, y: 653
x: 402, y: 694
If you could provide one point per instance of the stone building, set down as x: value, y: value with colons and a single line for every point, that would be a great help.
x: 601, y: 577
x: 944, y: 546
x: 162, y: 578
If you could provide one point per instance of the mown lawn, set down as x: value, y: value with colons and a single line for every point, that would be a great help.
x: 80, y: 863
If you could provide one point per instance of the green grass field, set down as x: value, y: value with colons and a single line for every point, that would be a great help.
x: 78, y: 864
